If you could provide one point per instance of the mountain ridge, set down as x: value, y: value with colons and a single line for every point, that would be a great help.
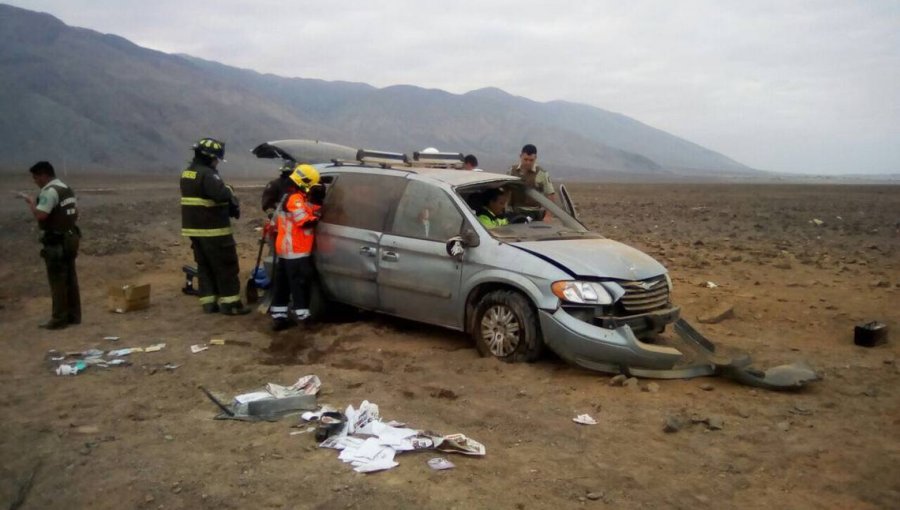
x: 101, y: 102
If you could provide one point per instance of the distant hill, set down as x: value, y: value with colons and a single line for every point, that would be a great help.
x: 99, y: 102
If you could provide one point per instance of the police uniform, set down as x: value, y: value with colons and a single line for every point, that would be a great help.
x: 275, y: 190
x: 60, y: 238
x: 206, y: 207
x: 538, y: 178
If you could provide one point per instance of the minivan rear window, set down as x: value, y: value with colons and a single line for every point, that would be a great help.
x: 361, y: 200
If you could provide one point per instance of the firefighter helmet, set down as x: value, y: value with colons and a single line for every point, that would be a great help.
x: 211, y: 148
x: 305, y: 176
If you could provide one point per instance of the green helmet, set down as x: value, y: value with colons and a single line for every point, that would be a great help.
x: 210, y: 147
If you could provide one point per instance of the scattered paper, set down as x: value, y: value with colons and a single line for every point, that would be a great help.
x: 111, y: 338
x: 198, y: 348
x: 369, y: 444
x: 440, y: 463
x: 123, y: 352
x: 459, y: 443
x: 711, y: 285
x: 217, y: 341
x: 584, y: 419
x: 155, y: 347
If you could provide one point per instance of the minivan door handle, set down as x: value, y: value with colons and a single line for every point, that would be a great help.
x: 367, y: 251
x: 390, y: 256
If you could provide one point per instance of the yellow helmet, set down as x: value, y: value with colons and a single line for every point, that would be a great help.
x: 305, y: 176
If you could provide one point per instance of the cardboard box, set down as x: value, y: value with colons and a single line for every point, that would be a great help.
x: 127, y: 298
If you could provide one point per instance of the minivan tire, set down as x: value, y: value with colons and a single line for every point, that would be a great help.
x: 506, y: 327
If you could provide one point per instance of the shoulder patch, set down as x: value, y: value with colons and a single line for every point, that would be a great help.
x: 189, y: 174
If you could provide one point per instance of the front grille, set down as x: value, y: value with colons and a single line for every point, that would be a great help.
x: 645, y: 296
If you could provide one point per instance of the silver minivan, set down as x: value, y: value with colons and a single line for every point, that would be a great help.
x: 406, y: 241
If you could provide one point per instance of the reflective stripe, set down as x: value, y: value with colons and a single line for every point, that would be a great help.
x: 206, y: 232
x: 229, y: 299
x: 189, y: 174
x: 278, y: 309
x: 205, y: 202
x: 205, y: 300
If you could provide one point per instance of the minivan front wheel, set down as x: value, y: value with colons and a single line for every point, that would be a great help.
x: 506, y: 327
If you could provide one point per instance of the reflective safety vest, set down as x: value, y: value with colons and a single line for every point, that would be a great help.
x: 204, y: 202
x: 295, y: 236
x: 490, y: 220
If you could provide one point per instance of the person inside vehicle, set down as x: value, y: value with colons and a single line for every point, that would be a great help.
x: 492, y: 214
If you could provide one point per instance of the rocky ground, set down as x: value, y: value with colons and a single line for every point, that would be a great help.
x: 143, y: 436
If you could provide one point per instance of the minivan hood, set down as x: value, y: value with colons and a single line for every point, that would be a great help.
x: 603, y: 258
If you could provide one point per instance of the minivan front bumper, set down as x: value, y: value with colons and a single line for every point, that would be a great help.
x: 598, y: 348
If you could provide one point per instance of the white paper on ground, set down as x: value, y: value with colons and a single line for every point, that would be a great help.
x: 122, y: 352
x: 584, y: 419
x: 198, y: 348
x: 155, y: 347
x: 341, y: 442
x: 307, y: 385
x: 440, y: 463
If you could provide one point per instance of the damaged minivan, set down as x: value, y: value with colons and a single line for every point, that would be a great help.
x: 404, y: 239
x: 482, y: 253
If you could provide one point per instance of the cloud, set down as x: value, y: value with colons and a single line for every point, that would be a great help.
x: 805, y: 86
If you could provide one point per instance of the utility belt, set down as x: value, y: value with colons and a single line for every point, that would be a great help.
x: 52, y: 237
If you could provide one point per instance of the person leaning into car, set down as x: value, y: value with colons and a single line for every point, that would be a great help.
x: 491, y: 214
x: 534, y: 176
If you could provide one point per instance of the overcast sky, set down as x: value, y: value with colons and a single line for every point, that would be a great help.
x: 795, y: 86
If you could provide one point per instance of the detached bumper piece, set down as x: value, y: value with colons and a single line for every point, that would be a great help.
x: 738, y: 367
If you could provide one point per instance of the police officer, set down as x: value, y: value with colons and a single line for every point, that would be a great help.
x: 207, y: 203
x: 533, y: 175
x: 276, y: 188
x: 56, y: 214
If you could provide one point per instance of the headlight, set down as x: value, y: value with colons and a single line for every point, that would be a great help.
x: 586, y: 293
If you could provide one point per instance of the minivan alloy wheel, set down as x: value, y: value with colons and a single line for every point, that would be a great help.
x: 506, y: 327
x: 500, y: 330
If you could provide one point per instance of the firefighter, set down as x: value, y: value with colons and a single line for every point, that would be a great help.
x: 295, y: 219
x: 207, y: 204
x: 56, y: 214
x: 275, y: 189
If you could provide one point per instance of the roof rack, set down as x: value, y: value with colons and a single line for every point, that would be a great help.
x: 439, y: 159
x: 381, y: 158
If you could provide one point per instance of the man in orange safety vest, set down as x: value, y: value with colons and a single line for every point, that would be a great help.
x: 295, y: 219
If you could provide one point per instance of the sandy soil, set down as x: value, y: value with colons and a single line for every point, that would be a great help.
x: 144, y: 437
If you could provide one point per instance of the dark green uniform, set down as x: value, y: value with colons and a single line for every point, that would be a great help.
x: 60, y: 237
x: 206, y: 207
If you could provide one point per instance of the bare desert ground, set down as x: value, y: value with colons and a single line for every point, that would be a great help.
x: 143, y: 436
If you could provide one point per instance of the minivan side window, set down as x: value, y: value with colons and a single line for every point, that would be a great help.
x: 426, y: 212
x: 361, y: 200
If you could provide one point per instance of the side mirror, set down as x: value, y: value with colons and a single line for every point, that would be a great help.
x: 456, y: 247
x: 470, y: 238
